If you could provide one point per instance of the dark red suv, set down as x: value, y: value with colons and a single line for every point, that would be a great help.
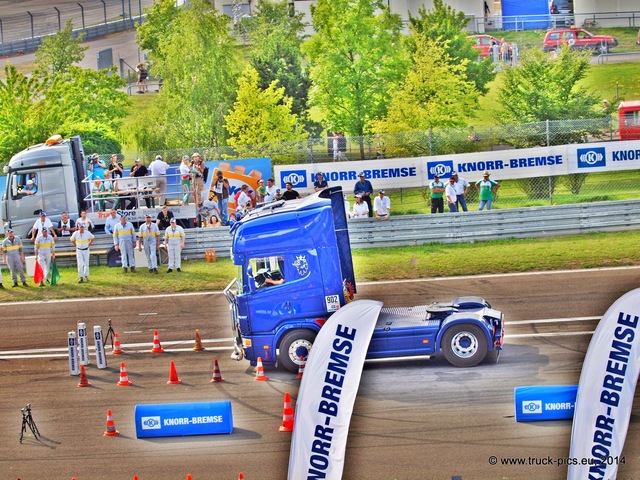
x: 578, y: 39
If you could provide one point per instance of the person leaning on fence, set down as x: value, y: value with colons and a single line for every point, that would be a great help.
x: 487, y: 189
x: 437, y: 193
x: 82, y: 239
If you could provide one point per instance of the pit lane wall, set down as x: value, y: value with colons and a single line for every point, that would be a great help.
x: 503, y: 164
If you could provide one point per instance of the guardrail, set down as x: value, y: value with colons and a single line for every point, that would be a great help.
x: 605, y: 56
x: 407, y: 230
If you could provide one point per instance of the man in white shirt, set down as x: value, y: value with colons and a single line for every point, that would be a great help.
x: 382, y: 206
x: 270, y: 191
x: 450, y: 193
x: 40, y: 224
x: 462, y: 188
x: 158, y: 168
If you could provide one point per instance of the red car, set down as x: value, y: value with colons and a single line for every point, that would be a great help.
x: 482, y: 43
x: 579, y: 39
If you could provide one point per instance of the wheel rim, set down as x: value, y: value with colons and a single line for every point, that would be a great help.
x: 464, y: 344
x: 298, y: 349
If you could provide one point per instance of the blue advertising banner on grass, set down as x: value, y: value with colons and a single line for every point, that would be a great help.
x: 182, y: 419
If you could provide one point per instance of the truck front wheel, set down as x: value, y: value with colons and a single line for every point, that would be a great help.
x: 294, y: 346
x: 464, y: 345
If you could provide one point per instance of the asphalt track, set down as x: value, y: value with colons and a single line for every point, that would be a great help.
x: 416, y: 419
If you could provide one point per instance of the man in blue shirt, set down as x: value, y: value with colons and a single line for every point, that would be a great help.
x: 364, y: 189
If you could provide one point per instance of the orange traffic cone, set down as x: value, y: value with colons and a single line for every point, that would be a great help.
x: 260, y: 376
x: 117, y: 349
x: 241, y: 476
x: 157, y: 348
x: 287, y: 415
x: 217, y: 376
x: 83, y: 378
x: 124, y: 378
x: 189, y: 477
x: 111, y: 426
x: 173, y: 375
x: 135, y: 477
x: 198, y: 346
x: 303, y: 361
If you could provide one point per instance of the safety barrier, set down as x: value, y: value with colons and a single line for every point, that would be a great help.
x: 406, y: 230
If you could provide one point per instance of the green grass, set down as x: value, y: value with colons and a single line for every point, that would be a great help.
x: 431, y: 260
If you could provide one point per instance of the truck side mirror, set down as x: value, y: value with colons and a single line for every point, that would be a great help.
x: 250, y: 281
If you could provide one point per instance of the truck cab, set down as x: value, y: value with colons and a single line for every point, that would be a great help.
x: 295, y: 270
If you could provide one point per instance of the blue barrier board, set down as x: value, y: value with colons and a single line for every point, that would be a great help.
x: 181, y: 419
x: 536, y: 403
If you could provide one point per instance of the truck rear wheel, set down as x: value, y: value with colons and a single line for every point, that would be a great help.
x: 464, y: 345
x: 294, y: 346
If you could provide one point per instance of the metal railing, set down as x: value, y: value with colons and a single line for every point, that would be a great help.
x: 407, y: 230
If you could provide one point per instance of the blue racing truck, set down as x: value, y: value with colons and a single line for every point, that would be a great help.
x: 295, y: 269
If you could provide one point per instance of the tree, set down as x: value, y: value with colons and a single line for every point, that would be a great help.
x: 160, y: 17
x: 199, y: 64
x: 34, y: 108
x: 445, y: 24
x: 435, y: 92
x: 60, y: 51
x: 356, y: 57
x: 261, y: 116
x: 275, y: 37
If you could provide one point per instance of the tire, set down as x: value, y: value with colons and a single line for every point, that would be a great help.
x: 603, y: 49
x: 294, y: 345
x: 464, y: 345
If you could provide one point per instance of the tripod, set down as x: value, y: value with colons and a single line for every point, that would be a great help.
x: 27, y: 421
x: 109, y: 334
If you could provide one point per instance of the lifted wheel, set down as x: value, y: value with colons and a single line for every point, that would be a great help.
x: 295, y: 345
x: 464, y: 345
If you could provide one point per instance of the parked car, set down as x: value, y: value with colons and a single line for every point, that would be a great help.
x: 579, y: 39
x: 482, y: 43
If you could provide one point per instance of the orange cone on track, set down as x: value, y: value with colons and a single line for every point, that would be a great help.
x: 157, y: 348
x: 117, y: 349
x: 287, y: 415
x: 189, y: 477
x: 198, y: 346
x: 124, y: 378
x: 241, y: 476
x: 303, y: 361
x: 217, y: 376
x: 83, y: 378
x: 135, y: 477
x: 111, y: 426
x: 173, y: 375
x: 260, y: 376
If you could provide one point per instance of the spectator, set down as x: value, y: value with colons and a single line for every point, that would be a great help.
x: 30, y: 189
x: 13, y: 257
x: 143, y: 73
x: 450, y: 193
x: 261, y: 191
x: 174, y: 241
x: 243, y: 196
x: 487, y: 189
x: 462, y: 188
x: 124, y: 240
x: 360, y: 208
x: 185, y: 180
x: 473, y: 135
x: 221, y: 189
x: 158, y: 168
x: 149, y: 239
x: 347, y: 207
x: 66, y: 226
x: 139, y: 170
x: 335, y: 145
x: 270, y: 191
x: 290, y: 193
x: 97, y: 167
x: 88, y: 224
x: 380, y: 148
x: 382, y: 206
x: 115, y: 168
x: 163, y: 219
x: 112, y: 220
x: 42, y: 223
x: 437, y: 192
x: 44, y: 249
x: 199, y: 174
x: 504, y: 50
x: 320, y: 183
x: 82, y: 239
x: 364, y: 188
